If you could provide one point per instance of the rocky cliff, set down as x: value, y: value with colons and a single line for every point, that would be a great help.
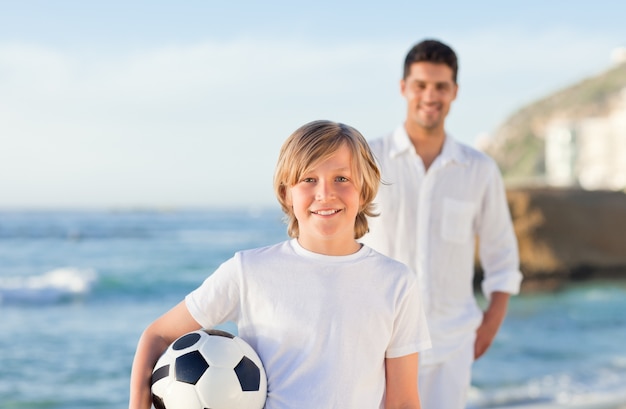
x: 563, y: 234
x: 566, y: 235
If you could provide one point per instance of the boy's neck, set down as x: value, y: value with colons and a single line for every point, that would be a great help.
x: 330, y: 247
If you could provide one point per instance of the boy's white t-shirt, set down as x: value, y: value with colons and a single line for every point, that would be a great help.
x: 322, y: 325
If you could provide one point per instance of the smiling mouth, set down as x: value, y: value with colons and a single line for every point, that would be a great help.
x: 325, y: 212
x: 429, y: 110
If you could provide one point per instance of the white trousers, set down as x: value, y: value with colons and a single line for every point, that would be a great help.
x: 446, y: 385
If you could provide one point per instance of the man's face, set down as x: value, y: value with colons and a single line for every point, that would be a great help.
x: 429, y: 91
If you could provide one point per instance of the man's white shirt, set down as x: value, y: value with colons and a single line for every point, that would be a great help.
x: 431, y: 220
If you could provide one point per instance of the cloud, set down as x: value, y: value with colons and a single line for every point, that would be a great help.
x: 506, y: 68
x: 184, y: 116
x: 202, y: 123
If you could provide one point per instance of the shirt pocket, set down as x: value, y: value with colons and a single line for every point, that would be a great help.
x: 457, y: 218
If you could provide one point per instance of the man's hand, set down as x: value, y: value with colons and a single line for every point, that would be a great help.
x: 492, y: 319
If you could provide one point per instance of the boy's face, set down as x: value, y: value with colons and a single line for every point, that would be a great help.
x: 326, y: 202
x: 429, y: 90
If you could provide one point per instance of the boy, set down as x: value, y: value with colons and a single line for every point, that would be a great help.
x: 333, y: 321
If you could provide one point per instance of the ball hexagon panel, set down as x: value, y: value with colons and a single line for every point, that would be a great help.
x: 219, y: 351
x: 220, y: 388
x: 182, y: 395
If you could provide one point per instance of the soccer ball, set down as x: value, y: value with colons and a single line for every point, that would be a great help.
x: 209, y: 369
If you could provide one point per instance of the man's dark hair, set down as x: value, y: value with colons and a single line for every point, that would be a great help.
x: 431, y: 51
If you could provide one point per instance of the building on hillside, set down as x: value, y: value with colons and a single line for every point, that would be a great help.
x: 589, y: 152
x: 618, y: 56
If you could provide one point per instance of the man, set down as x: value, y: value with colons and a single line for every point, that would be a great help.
x: 438, y: 197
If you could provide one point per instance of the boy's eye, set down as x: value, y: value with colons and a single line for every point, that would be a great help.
x: 341, y: 179
x: 308, y: 180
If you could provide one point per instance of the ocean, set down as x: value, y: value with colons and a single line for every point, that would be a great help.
x: 78, y: 287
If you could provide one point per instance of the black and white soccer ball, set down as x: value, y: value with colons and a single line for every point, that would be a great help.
x: 209, y: 369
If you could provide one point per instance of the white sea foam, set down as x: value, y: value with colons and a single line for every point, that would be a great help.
x: 53, y: 286
x: 555, y: 393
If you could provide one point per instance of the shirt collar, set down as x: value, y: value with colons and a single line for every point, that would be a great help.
x: 451, y: 151
x: 400, y: 142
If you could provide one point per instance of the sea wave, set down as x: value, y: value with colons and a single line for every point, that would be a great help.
x: 603, y: 390
x: 54, y: 286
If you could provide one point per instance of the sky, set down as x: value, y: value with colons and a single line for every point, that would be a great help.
x: 174, y: 104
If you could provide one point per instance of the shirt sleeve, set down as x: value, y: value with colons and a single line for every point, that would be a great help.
x: 410, y: 331
x: 498, y: 249
x: 217, y: 299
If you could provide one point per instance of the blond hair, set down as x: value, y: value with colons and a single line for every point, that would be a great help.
x: 310, y: 145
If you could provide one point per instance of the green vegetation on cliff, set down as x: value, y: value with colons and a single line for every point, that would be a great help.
x: 518, y: 144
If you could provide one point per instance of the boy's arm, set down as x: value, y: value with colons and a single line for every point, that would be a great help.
x: 154, y: 340
x: 401, y: 383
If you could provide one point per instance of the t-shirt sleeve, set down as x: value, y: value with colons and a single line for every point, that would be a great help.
x: 217, y: 299
x: 410, y: 330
